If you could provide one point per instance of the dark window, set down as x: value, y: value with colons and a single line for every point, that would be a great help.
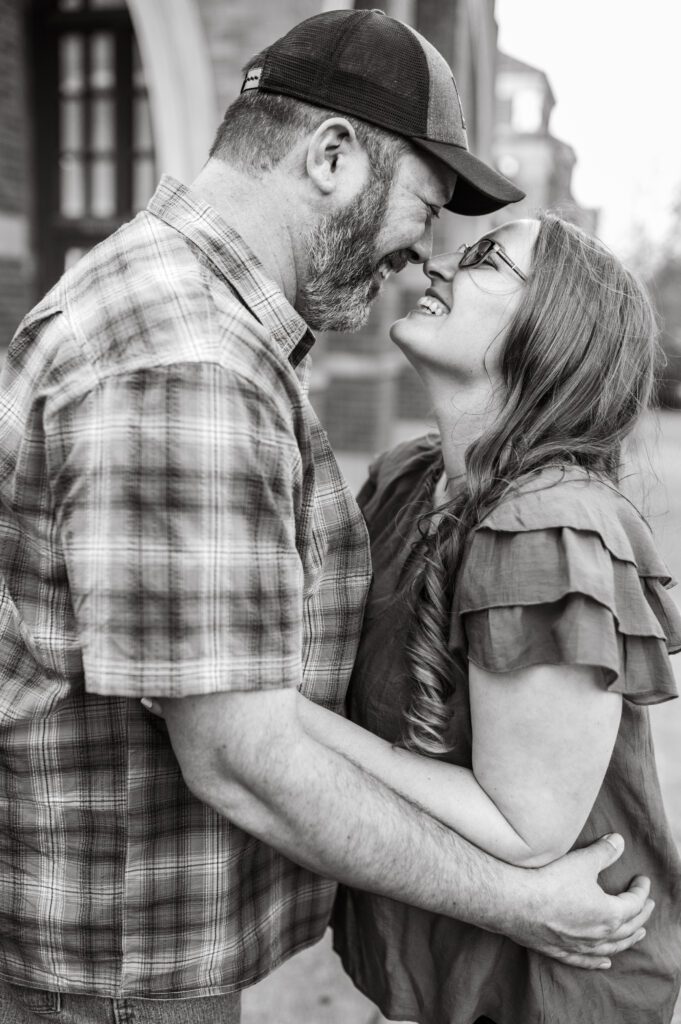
x: 94, y: 151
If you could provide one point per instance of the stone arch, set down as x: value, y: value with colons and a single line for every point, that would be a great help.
x: 180, y: 80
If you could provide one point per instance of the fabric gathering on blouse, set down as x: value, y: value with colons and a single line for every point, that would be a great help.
x: 563, y: 571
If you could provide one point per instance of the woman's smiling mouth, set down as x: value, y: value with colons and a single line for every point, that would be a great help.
x: 432, y: 305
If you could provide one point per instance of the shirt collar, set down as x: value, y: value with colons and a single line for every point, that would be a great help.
x: 231, y: 258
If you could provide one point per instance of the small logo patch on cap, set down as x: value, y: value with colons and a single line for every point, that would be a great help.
x: 252, y: 79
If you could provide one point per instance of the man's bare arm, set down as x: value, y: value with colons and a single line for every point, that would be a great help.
x: 247, y: 755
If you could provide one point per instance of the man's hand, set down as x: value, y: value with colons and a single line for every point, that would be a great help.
x: 559, y: 910
x: 570, y: 918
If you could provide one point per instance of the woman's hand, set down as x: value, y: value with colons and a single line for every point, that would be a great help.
x: 152, y: 705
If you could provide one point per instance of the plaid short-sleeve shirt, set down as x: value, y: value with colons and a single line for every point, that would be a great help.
x: 172, y: 522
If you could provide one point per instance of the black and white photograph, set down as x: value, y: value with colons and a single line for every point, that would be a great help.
x: 337, y: 644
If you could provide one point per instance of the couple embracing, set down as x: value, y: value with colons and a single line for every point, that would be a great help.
x: 192, y: 597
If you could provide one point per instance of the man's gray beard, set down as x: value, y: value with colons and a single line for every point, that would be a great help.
x: 342, y: 262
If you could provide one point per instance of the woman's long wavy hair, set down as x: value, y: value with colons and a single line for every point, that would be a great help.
x: 578, y: 367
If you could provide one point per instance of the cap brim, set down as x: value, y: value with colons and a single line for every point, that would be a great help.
x: 479, y: 189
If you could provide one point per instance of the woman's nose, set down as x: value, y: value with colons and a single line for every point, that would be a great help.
x: 444, y: 265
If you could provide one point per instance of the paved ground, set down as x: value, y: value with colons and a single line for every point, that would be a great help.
x: 311, y: 988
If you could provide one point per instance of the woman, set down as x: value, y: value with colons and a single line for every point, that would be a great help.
x: 517, y: 627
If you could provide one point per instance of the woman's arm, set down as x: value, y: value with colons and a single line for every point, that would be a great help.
x: 542, y: 740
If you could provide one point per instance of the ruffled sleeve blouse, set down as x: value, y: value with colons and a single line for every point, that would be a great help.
x: 564, y: 570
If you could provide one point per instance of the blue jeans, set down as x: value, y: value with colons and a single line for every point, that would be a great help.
x: 20, y: 1005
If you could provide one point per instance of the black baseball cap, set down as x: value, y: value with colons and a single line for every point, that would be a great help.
x: 376, y: 68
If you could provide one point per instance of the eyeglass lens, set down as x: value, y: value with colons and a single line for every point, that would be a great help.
x: 476, y: 253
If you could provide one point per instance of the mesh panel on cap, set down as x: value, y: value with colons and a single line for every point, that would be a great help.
x: 384, y: 53
x: 365, y: 64
x: 307, y: 50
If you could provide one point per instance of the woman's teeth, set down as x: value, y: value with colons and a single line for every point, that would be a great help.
x: 432, y: 305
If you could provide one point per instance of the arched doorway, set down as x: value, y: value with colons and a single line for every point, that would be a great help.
x: 93, y: 142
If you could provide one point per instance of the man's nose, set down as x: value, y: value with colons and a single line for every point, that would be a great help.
x: 444, y: 265
x: 420, y: 251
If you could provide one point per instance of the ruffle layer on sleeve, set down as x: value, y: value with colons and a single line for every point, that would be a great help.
x: 569, y: 574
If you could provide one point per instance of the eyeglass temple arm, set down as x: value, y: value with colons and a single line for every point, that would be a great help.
x: 508, y: 261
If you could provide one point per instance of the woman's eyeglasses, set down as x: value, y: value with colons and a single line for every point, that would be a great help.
x: 474, y: 255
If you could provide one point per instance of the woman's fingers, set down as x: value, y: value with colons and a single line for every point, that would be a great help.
x: 152, y: 705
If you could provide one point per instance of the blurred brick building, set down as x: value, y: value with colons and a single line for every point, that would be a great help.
x: 525, y: 149
x: 99, y: 97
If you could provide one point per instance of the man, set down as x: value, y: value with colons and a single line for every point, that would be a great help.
x: 175, y: 527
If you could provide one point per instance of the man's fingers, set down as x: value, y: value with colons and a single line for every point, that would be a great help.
x: 597, y: 958
x: 632, y: 925
x: 635, y: 896
x: 589, y: 963
x: 607, y: 947
x: 626, y: 930
x: 605, y: 950
x: 605, y: 851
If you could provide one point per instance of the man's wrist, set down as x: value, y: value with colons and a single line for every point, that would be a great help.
x: 515, y: 900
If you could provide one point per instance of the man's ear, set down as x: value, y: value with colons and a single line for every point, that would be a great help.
x: 333, y: 145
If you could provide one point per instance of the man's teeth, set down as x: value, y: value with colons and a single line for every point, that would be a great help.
x: 432, y: 305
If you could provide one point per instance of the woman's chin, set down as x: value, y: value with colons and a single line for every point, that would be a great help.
x: 415, y: 338
x: 405, y: 340
x: 404, y: 331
